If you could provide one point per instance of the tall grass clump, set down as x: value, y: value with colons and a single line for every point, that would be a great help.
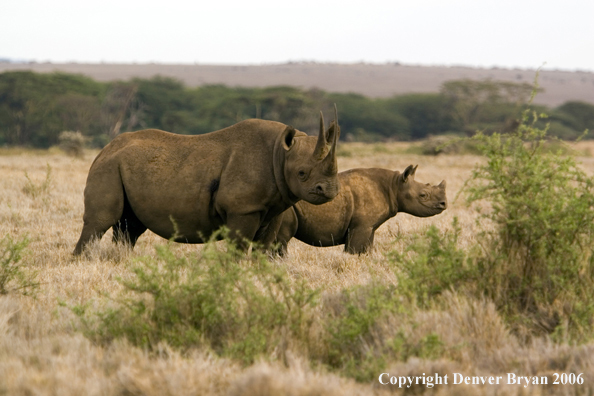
x: 36, y: 190
x: 535, y: 259
x: 239, y: 307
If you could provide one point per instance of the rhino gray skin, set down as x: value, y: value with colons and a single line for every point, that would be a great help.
x: 367, y: 198
x: 243, y: 176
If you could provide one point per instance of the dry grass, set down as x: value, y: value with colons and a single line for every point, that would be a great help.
x: 42, y: 353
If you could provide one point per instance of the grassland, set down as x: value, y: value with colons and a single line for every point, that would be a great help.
x: 42, y: 351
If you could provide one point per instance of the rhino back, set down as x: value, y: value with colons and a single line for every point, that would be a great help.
x: 371, y: 195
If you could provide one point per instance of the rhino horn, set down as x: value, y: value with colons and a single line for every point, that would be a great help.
x: 334, y: 134
x: 320, y: 149
x: 442, y: 185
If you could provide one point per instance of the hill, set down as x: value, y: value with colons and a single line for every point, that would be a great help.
x: 373, y: 80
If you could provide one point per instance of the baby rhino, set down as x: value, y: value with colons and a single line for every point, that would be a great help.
x: 367, y: 198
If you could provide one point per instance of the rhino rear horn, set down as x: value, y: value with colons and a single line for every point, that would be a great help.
x: 333, y: 136
x: 320, y: 149
x: 334, y: 130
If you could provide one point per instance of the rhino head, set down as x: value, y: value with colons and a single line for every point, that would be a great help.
x: 309, y: 166
x: 418, y: 199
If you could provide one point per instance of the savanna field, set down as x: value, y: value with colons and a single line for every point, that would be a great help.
x: 345, y: 318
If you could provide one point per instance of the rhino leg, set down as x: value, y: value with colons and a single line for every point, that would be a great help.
x: 129, y: 228
x: 275, y: 237
x: 359, y: 240
x: 286, y: 231
x: 243, y: 228
x: 104, y: 204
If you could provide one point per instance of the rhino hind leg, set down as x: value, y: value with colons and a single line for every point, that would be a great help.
x: 104, y: 204
x: 128, y: 228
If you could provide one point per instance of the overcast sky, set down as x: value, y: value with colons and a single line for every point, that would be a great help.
x: 504, y: 33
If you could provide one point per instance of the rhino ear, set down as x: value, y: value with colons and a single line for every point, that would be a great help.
x: 409, y: 172
x: 287, y: 137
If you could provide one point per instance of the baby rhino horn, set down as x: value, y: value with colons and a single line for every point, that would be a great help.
x: 442, y: 185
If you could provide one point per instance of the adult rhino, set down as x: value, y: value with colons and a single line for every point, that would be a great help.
x: 187, y: 187
x: 367, y: 198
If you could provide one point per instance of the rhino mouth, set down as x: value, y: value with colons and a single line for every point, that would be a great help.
x: 319, y: 198
x: 438, y: 207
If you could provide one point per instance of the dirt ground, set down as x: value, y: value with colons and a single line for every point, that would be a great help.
x: 373, y: 80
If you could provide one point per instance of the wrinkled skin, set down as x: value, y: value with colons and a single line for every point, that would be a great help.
x: 367, y: 198
x: 243, y: 176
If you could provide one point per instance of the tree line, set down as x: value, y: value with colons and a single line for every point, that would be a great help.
x: 36, y: 108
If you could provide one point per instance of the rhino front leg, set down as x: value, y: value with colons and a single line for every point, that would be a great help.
x: 275, y: 237
x: 359, y: 240
x: 243, y: 228
x: 287, y: 230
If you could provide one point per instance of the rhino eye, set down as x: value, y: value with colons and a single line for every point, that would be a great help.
x: 301, y: 174
x: 423, y: 195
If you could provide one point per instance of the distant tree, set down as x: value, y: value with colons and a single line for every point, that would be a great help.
x: 479, y: 104
x: 28, y: 112
x: 363, y: 118
x: 579, y: 115
x: 115, y: 109
x: 159, y: 97
x: 36, y: 108
x: 78, y: 112
x: 427, y: 114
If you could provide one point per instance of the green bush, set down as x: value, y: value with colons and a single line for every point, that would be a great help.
x: 239, y: 308
x: 535, y: 259
x: 368, y: 326
x: 13, y: 277
x: 431, y: 264
x: 351, y: 321
x: 539, y: 259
